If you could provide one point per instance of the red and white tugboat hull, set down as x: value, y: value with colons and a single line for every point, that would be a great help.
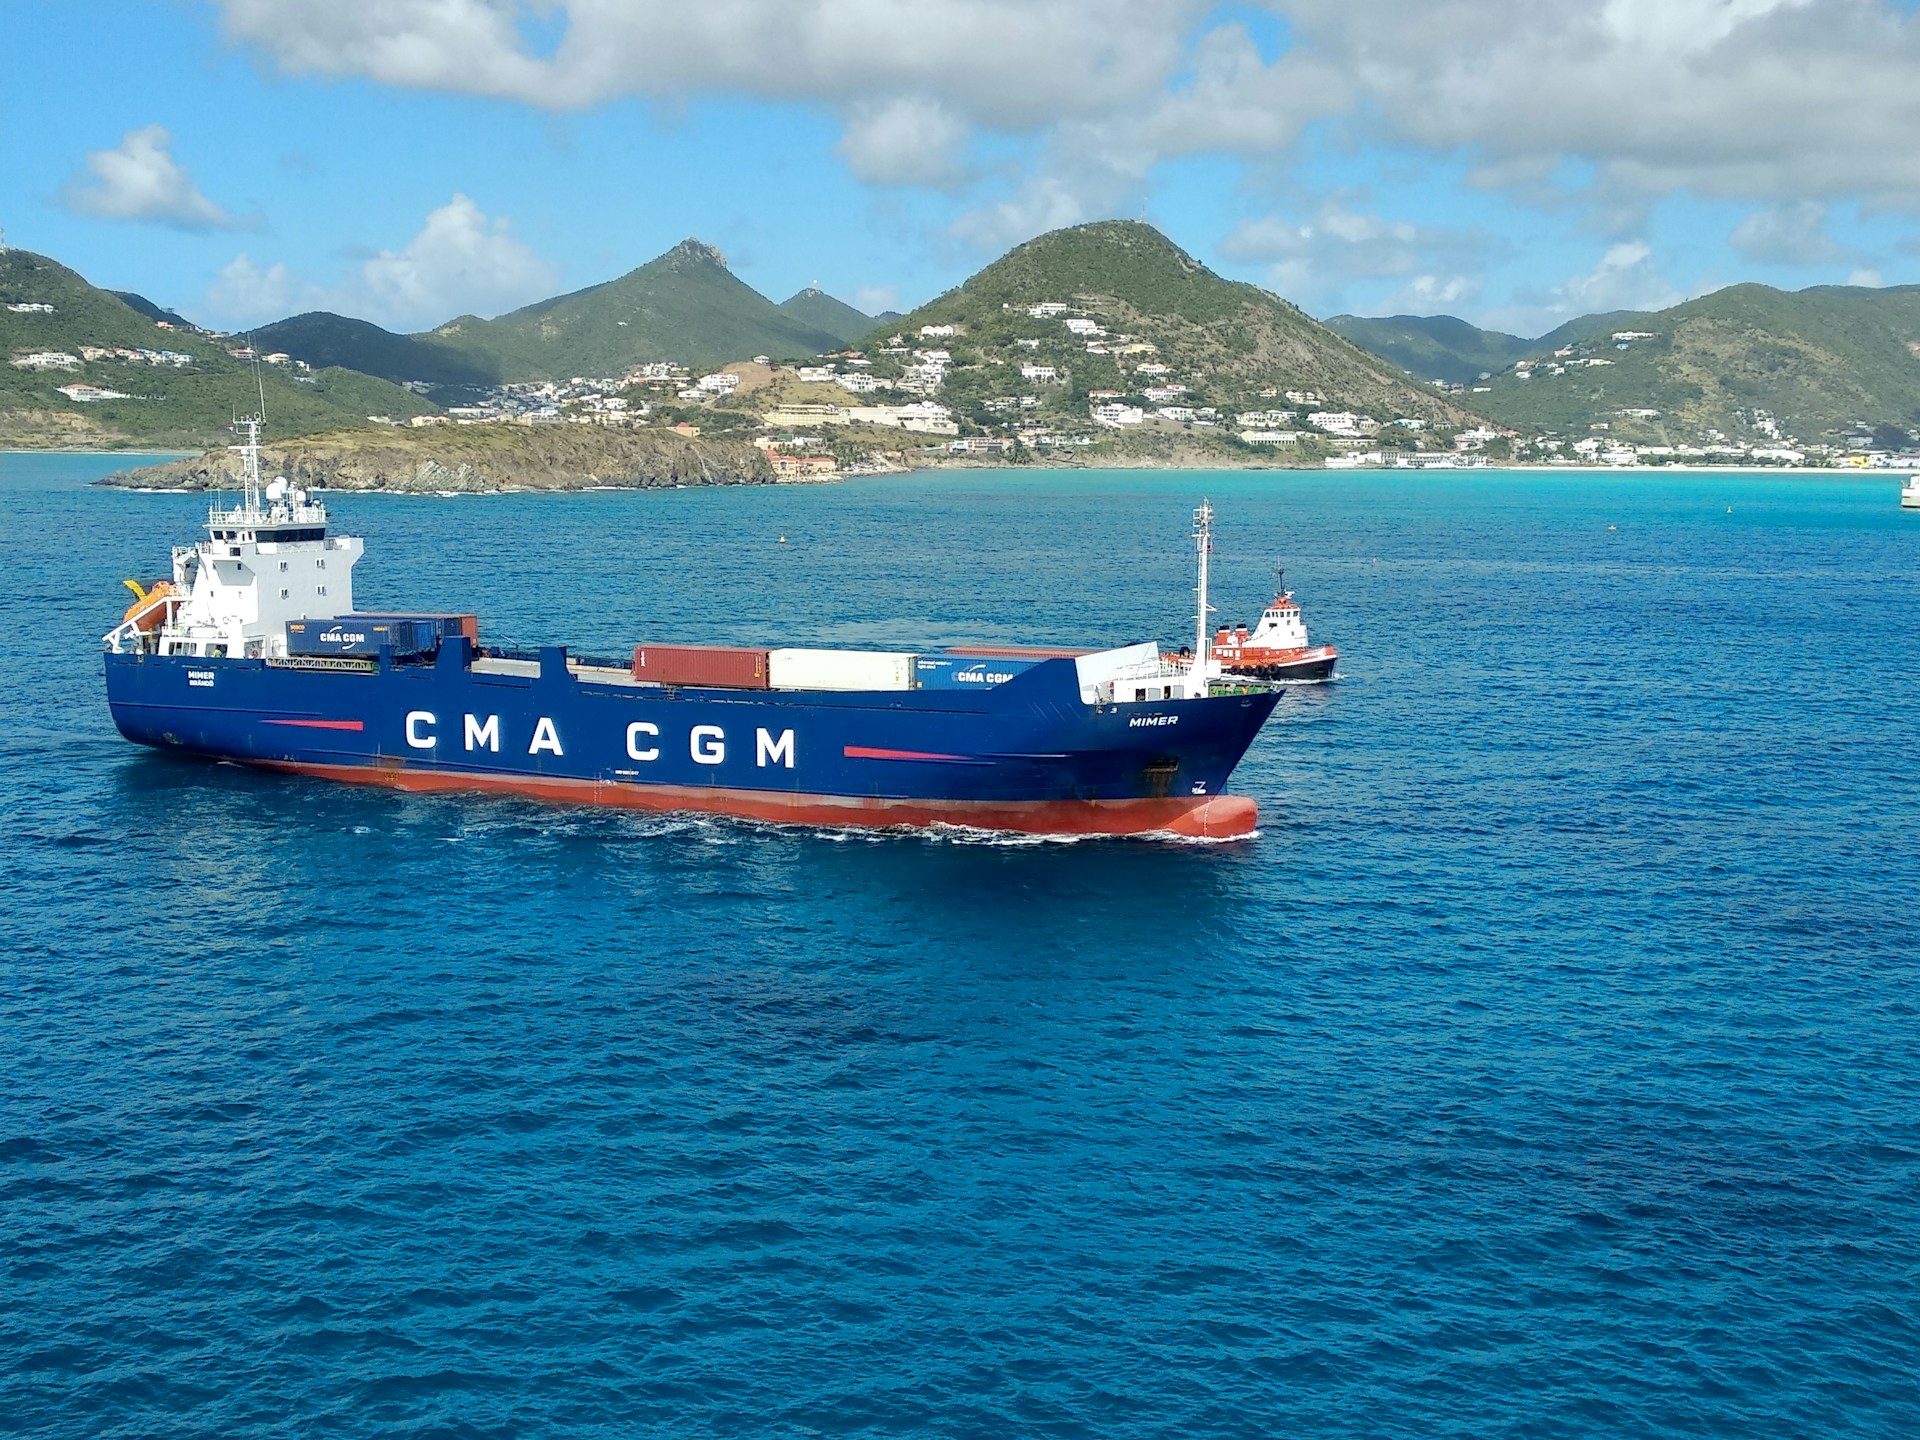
x: 1276, y: 649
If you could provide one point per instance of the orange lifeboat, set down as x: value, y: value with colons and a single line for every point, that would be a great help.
x: 149, y: 608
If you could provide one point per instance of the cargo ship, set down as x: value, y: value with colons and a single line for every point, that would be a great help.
x: 252, y: 651
x: 1277, y: 649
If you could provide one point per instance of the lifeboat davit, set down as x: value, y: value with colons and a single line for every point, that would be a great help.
x: 149, y: 609
x: 1276, y: 648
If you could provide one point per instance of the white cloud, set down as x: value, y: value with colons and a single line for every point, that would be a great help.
x: 904, y: 141
x: 1026, y: 60
x: 1768, y: 101
x: 1313, y: 261
x: 1626, y: 278
x: 1765, y: 99
x: 460, y: 262
x: 142, y: 181
x: 1870, y: 278
x: 1430, y: 295
x: 876, y: 299
x: 254, y: 295
x: 1790, y: 234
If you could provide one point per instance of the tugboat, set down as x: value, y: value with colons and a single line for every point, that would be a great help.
x: 1277, y: 648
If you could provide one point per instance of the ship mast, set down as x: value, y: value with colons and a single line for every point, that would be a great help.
x: 249, y: 448
x: 1202, y: 649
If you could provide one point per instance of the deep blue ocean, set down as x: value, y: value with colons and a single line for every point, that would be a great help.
x: 1548, y: 1065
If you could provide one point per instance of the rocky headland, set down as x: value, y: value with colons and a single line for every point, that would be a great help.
x: 472, y: 459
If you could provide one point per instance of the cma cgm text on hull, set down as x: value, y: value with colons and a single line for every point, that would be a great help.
x: 252, y: 651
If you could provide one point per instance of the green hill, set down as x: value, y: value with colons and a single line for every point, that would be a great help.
x: 1433, y: 347
x: 1233, y: 345
x: 814, y: 307
x: 141, y: 305
x: 1815, y: 362
x: 1744, y: 361
x: 187, y: 404
x: 684, y: 306
x: 1442, y: 347
x: 322, y: 338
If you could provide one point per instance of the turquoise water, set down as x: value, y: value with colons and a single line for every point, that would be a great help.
x: 1547, y: 1066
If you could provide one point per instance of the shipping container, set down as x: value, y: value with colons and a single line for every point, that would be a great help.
x: 961, y: 672
x: 713, y: 666
x: 361, y: 635
x: 445, y: 625
x: 840, y: 670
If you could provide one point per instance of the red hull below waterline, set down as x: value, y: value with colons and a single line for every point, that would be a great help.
x: 1214, y: 817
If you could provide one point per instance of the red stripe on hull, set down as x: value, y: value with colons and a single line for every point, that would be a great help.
x: 1217, y: 817
x: 864, y: 752
x: 320, y: 724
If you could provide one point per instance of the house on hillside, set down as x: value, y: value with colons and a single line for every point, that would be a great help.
x: 47, y: 360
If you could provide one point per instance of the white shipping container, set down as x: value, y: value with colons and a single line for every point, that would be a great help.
x: 839, y: 670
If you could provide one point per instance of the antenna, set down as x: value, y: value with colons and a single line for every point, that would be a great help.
x: 1202, y: 648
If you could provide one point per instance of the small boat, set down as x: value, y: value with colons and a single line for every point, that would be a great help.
x: 1276, y: 648
x: 1910, y: 493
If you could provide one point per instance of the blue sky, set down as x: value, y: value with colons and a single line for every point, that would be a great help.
x: 1513, y: 163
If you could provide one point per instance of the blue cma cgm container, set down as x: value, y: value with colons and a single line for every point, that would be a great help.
x: 363, y: 635
x: 965, y: 672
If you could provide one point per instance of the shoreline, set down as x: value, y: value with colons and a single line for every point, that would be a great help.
x: 81, y: 450
x: 1119, y: 464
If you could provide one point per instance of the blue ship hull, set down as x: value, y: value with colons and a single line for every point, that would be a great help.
x: 1026, y: 755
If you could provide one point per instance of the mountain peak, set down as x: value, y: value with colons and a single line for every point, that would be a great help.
x: 697, y: 251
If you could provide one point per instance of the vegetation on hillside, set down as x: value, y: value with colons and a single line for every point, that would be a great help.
x: 1433, y: 347
x: 686, y: 306
x: 322, y: 338
x: 1234, y: 346
x: 185, y: 405
x: 475, y: 458
x: 1749, y: 362
x: 814, y: 308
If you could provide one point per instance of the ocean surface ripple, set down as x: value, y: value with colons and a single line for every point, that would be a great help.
x: 1547, y: 1066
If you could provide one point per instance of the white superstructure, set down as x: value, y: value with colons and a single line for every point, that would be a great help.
x: 1910, y: 493
x: 264, y: 562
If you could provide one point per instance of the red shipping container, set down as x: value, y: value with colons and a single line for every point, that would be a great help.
x: 718, y: 666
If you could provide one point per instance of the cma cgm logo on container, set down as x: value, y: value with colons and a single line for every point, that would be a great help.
x: 706, y: 744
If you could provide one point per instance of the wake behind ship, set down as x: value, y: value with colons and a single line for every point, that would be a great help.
x: 252, y: 651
